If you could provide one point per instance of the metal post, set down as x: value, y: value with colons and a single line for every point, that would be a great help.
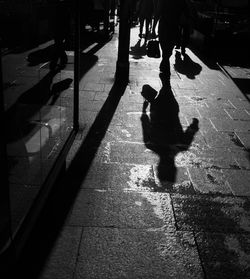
x: 5, y: 212
x: 76, y: 15
x: 106, y: 18
x: 122, y: 65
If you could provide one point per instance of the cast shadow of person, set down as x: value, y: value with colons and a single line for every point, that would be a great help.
x: 138, y: 50
x: 163, y: 132
x: 186, y: 66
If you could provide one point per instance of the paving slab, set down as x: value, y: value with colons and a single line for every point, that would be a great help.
x: 207, y: 213
x: 238, y: 181
x: 119, y: 253
x: 62, y: 259
x: 128, y: 177
x: 105, y: 208
x: 224, y: 255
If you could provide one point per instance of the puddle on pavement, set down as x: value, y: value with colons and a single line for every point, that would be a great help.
x: 141, y: 178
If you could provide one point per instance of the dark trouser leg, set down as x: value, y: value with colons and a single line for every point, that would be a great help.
x: 167, y: 39
x: 179, y: 37
x: 59, y: 53
x: 185, y: 37
x: 141, y: 27
x: 166, y: 48
x: 147, y: 28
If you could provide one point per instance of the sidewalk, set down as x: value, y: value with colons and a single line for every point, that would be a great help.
x: 117, y: 214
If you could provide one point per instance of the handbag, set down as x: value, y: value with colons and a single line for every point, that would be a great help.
x: 153, y: 49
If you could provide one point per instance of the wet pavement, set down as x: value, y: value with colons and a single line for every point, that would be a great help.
x: 147, y: 194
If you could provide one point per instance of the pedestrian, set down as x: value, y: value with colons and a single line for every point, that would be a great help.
x: 187, y: 20
x: 135, y: 12
x: 169, y: 13
x: 85, y: 11
x: 155, y: 19
x: 98, y: 14
x: 59, y: 24
x: 146, y: 8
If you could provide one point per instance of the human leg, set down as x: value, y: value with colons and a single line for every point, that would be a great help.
x: 185, y: 38
x: 141, y: 21
x: 147, y: 21
x: 167, y: 39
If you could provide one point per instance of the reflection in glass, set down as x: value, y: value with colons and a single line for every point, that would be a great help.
x: 38, y: 98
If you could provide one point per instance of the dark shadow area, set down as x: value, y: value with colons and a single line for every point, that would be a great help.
x: 203, y: 48
x: 38, y: 95
x: 232, y: 49
x: 244, y: 86
x: 35, y: 98
x: 56, y: 210
x: 222, y: 47
x: 41, y: 55
x: 248, y: 154
x: 59, y: 87
x: 86, y: 62
x: 225, y: 50
x: 239, y: 76
x: 163, y: 132
x: 87, y: 38
x: 196, y: 213
x: 138, y: 50
x: 186, y: 66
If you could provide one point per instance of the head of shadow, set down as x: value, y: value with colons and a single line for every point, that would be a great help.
x: 163, y: 132
x: 186, y: 66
